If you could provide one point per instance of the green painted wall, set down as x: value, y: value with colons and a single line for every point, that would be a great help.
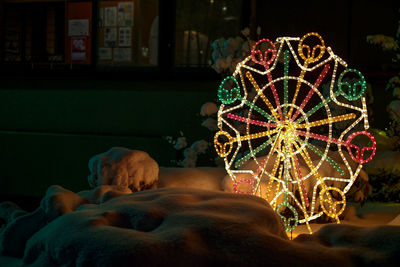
x: 50, y: 128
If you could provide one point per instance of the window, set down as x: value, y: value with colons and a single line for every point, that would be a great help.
x: 114, y: 34
x: 33, y: 32
x: 128, y: 33
x: 199, y: 23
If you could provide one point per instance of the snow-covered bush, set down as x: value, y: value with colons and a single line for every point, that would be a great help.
x: 227, y: 53
x: 384, y: 167
x: 123, y: 167
x: 188, y: 155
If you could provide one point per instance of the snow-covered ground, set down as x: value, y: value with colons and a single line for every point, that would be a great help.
x: 188, y: 220
x: 370, y: 215
x: 174, y: 226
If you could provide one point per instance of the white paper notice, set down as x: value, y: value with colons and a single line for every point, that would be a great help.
x: 78, y: 27
x: 110, y: 37
x: 110, y: 16
x: 122, y: 54
x: 125, y: 36
x: 105, y: 53
x: 125, y: 14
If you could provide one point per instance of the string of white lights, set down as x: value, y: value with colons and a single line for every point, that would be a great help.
x: 288, y: 134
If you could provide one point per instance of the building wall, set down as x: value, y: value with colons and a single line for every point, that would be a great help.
x: 50, y: 128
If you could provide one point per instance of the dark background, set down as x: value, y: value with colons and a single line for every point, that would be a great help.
x: 53, y: 120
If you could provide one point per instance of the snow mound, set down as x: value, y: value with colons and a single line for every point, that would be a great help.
x: 107, y: 226
x: 384, y: 163
x: 121, y: 166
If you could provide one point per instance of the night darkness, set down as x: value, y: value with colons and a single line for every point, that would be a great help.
x: 80, y: 77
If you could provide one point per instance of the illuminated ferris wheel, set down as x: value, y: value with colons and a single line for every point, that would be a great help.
x: 279, y: 133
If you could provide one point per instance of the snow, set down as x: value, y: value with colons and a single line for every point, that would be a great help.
x: 207, y: 178
x: 188, y: 220
x: 395, y: 221
x: 208, y: 109
x: 108, y: 226
x: 384, y: 163
x: 121, y: 166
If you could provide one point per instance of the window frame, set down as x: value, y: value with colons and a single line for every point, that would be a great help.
x: 165, y: 69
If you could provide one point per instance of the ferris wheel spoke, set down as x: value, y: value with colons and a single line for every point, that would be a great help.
x: 261, y: 167
x: 314, y: 170
x: 276, y: 165
x: 250, y: 121
x: 285, y: 81
x: 322, y: 75
x: 298, y: 85
x: 263, y: 97
x: 256, y: 135
x: 298, y: 177
x: 314, y: 109
x: 321, y: 154
x: 286, y: 171
x: 311, y: 92
x: 321, y: 137
x: 278, y: 183
x: 260, y: 111
x: 334, y: 119
x: 272, y: 174
x: 275, y: 168
x: 254, y: 152
x: 276, y: 97
x: 307, y: 159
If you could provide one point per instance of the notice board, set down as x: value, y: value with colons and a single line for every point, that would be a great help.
x: 115, y: 42
x: 79, y: 32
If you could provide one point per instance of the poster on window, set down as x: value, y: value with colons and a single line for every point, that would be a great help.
x: 110, y: 16
x: 124, y: 36
x: 110, y: 37
x: 78, y: 27
x: 125, y: 14
x: 78, y: 48
x: 122, y: 54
